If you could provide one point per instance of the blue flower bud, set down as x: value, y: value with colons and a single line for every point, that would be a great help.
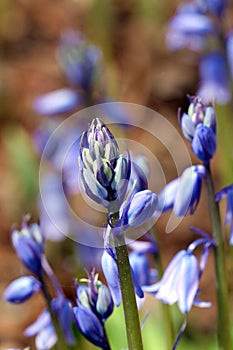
x: 141, y: 208
x: 21, y: 289
x: 104, y: 304
x: 104, y: 171
x: 141, y: 267
x: 188, y: 190
x: 199, y: 128
x: 90, y: 326
x: 80, y: 61
x: 62, y: 308
x: 204, y: 143
x: 29, y: 246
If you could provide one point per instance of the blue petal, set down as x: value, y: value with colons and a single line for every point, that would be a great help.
x: 110, y: 271
x: 46, y: 338
x: 167, y: 196
x: 21, y: 289
x: 43, y: 321
x: 204, y: 143
x: 57, y: 102
x: 90, y: 326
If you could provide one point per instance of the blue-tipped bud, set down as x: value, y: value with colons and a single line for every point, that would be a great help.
x: 29, y: 246
x: 21, y: 289
x: 104, y: 171
x: 90, y: 326
x: 141, y: 267
x: 141, y: 208
x: 199, y: 128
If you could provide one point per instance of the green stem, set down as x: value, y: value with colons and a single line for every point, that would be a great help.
x: 133, y: 329
x: 224, y: 336
x: 167, y: 317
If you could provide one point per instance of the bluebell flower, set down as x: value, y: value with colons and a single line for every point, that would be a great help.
x: 43, y: 330
x: 189, y: 28
x: 139, y: 173
x: 21, y: 289
x: 110, y: 270
x: 199, y: 128
x: 29, y: 246
x: 80, y: 61
x: 95, y: 296
x: 228, y: 193
x: 183, y: 194
x: 104, y: 171
x: 90, y: 326
x: 57, y: 102
x: 214, y: 79
x: 229, y: 51
x: 180, y: 281
x: 139, y: 208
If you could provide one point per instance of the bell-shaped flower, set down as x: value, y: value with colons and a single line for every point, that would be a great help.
x: 183, y: 194
x: 43, y: 330
x: 228, y: 193
x: 189, y: 28
x: 21, y: 289
x: 139, y: 173
x: 29, y: 246
x: 180, y: 281
x: 214, y: 79
x: 90, y: 326
x: 199, y: 128
x: 139, y: 208
x: 104, y: 303
x: 104, y: 171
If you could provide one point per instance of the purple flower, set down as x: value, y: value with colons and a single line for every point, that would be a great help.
x: 183, y: 194
x: 180, y: 280
x: 21, y: 289
x: 57, y: 102
x: 90, y: 326
x: 189, y: 27
x: 199, y: 128
x: 228, y: 193
x: 139, y: 209
x: 215, y: 7
x: 214, y: 79
x: 29, y: 246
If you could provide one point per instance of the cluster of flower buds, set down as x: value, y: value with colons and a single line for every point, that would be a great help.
x: 95, y: 305
x: 104, y: 171
x: 199, y: 128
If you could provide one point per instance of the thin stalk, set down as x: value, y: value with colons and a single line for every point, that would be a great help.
x: 61, y: 343
x: 132, y: 323
x: 224, y: 336
x: 166, y: 310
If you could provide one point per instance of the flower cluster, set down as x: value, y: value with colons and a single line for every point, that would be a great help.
x: 198, y: 25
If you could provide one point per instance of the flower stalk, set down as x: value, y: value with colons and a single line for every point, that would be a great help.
x: 223, y: 327
x: 133, y: 329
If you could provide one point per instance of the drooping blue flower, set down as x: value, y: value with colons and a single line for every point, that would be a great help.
x: 29, y: 246
x: 57, y: 102
x: 189, y: 28
x: 228, y: 193
x: 214, y: 79
x: 139, y: 173
x: 183, y: 194
x: 104, y: 171
x: 90, y: 326
x: 139, y: 209
x: 180, y: 281
x: 43, y: 330
x: 141, y: 267
x: 21, y: 289
x: 199, y: 128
